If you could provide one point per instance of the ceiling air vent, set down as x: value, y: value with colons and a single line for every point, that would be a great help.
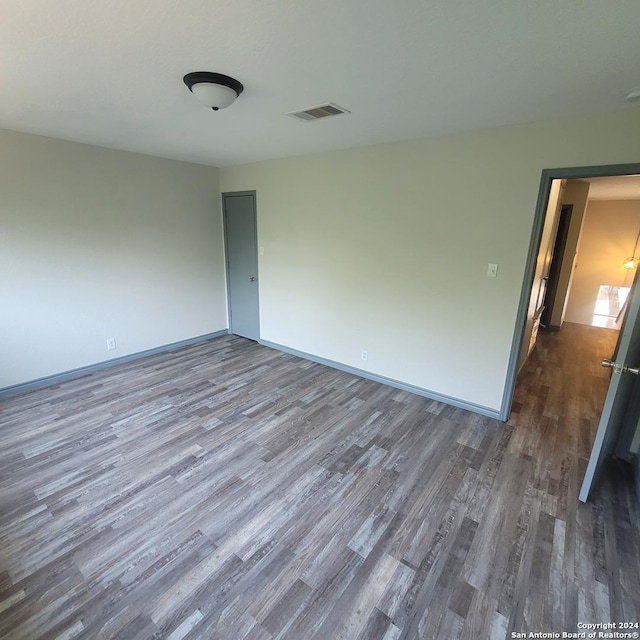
x: 318, y: 113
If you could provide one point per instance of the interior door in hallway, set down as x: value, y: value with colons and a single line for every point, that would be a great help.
x: 617, y: 411
x: 239, y: 211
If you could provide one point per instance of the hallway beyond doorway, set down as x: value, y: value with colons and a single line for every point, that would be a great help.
x: 562, y: 378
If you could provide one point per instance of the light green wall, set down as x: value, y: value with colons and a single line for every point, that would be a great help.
x: 386, y: 248
x: 95, y: 244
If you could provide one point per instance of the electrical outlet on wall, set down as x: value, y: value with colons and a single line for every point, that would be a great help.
x: 111, y: 343
x: 364, y: 355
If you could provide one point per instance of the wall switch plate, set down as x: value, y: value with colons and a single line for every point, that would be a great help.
x: 111, y: 343
x: 261, y: 251
x: 364, y: 355
x: 492, y: 271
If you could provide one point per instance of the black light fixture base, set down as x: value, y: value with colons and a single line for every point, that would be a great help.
x: 196, y: 77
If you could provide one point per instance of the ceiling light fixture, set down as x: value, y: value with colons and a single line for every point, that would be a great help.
x: 632, y: 261
x: 215, y: 90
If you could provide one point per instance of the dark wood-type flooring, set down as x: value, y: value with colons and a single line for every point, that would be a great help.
x: 229, y: 491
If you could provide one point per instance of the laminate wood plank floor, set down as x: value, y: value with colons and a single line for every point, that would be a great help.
x: 229, y: 491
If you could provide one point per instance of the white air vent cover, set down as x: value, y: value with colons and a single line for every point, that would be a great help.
x: 319, y: 112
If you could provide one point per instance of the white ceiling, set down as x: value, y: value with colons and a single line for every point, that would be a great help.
x: 614, y: 188
x: 110, y: 73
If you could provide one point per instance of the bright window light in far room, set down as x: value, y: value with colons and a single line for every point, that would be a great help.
x: 609, y: 306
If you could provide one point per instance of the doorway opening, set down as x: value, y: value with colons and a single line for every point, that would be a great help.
x: 562, y: 285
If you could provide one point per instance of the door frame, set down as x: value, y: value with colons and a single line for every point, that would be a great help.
x: 547, y: 177
x: 224, y: 196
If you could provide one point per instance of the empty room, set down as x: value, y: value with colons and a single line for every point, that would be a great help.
x: 319, y: 321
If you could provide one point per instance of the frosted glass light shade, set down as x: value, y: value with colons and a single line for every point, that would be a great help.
x: 215, y: 96
x: 213, y: 89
